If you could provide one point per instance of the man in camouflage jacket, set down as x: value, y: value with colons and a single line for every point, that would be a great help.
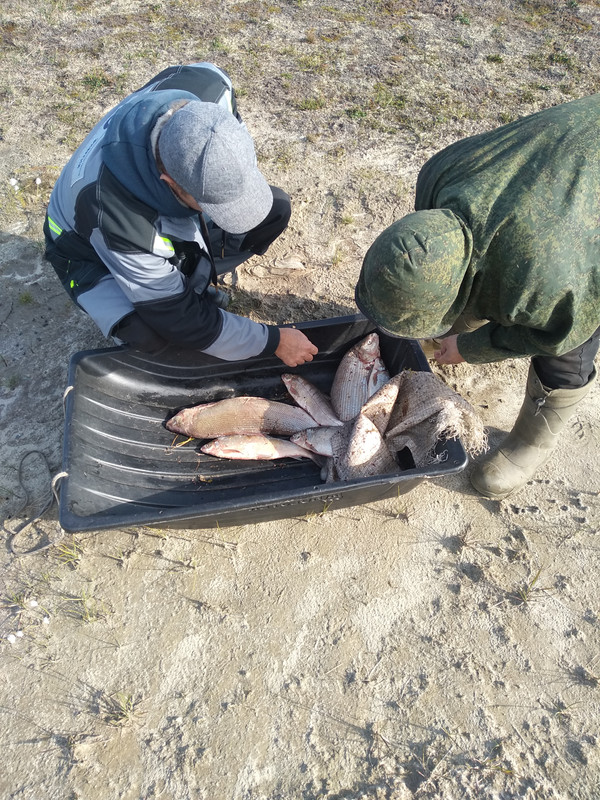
x: 501, y: 259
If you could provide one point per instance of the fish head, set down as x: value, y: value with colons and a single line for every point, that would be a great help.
x: 242, y: 446
x: 184, y: 419
x: 368, y: 349
x: 226, y: 447
x: 178, y: 423
x: 317, y: 440
x: 378, y: 376
x: 212, y: 448
x: 289, y: 379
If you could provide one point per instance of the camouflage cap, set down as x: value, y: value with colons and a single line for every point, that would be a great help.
x: 412, y: 273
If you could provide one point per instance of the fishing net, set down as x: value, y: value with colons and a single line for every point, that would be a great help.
x: 414, y: 410
x: 427, y: 410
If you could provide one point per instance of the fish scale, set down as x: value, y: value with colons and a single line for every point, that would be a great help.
x: 311, y: 399
x: 350, y: 388
x: 238, y: 415
x: 359, y: 451
x: 255, y: 447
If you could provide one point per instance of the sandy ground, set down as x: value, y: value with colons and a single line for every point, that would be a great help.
x: 435, y: 645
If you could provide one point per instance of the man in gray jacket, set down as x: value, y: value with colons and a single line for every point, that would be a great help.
x: 162, y: 196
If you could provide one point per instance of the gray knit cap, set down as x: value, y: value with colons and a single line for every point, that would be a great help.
x: 211, y: 156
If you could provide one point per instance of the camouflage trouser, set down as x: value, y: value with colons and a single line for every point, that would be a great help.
x: 571, y: 370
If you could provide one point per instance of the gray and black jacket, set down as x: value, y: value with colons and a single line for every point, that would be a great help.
x: 119, y: 239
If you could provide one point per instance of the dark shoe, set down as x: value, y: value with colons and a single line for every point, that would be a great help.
x: 218, y: 296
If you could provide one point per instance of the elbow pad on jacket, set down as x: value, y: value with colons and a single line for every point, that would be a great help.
x: 187, y: 320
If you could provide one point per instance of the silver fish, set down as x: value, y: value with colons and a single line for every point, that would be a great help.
x: 238, y: 415
x: 255, y: 447
x: 379, y: 406
x: 350, y: 388
x: 316, y: 439
x: 359, y: 451
x: 378, y: 377
x: 311, y: 399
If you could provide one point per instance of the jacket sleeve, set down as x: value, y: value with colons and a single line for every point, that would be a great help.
x: 178, y: 309
x: 192, y: 321
x: 241, y: 338
x: 185, y: 319
x: 494, y: 342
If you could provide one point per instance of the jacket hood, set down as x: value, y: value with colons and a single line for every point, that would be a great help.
x: 127, y: 149
x: 415, y: 277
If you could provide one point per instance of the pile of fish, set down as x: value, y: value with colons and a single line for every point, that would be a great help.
x: 353, y: 433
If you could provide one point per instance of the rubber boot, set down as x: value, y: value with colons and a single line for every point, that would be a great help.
x: 534, y: 436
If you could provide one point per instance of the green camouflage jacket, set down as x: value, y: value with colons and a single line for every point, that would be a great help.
x: 513, y: 253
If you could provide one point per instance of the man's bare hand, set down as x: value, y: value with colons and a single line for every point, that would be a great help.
x: 448, y: 352
x: 294, y: 347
